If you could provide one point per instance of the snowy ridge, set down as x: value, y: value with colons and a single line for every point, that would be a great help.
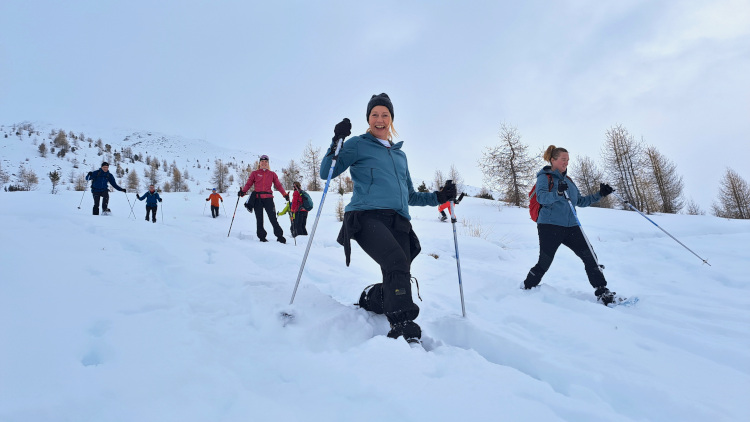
x: 111, y: 318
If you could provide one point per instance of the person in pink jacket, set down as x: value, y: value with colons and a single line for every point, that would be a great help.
x: 262, y: 198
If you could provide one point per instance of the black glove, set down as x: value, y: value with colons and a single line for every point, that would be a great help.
x: 605, y: 189
x: 89, y: 175
x: 447, y: 193
x: 342, y: 130
x: 124, y: 191
x: 562, y: 187
x: 207, y: 199
x: 286, y: 197
x: 240, y: 193
x: 460, y: 198
x: 159, y: 199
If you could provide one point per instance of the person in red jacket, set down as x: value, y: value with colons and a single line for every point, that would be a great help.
x: 299, y: 213
x: 262, y: 180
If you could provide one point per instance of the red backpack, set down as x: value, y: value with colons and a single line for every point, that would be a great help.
x: 534, y: 205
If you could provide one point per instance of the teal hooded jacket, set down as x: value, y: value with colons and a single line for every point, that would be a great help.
x: 380, y: 175
x: 555, y: 208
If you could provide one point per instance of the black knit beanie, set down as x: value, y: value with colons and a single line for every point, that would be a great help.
x: 379, y: 100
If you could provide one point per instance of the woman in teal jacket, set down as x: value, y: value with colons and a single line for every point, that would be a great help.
x: 378, y: 215
x: 557, y: 225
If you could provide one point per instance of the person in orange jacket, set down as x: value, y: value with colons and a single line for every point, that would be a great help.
x: 214, y: 198
x: 442, y: 207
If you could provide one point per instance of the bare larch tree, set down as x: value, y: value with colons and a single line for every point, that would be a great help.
x: 311, y: 166
x: 734, y: 197
x: 508, y: 167
x: 625, y: 163
x: 667, y: 183
x: 588, y: 176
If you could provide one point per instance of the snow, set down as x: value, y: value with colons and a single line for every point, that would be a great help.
x: 112, y: 318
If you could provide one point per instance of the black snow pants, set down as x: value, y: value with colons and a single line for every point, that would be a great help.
x: 214, y: 211
x: 268, y: 205
x: 152, y: 210
x: 104, y: 197
x: 550, y: 238
x: 380, y: 238
x: 300, y: 223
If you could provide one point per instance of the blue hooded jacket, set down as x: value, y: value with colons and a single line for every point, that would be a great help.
x: 100, y: 178
x: 151, y: 198
x: 380, y: 175
x: 555, y: 208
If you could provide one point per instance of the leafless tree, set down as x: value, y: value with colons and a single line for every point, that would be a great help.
x: 588, y: 176
x: 27, y: 178
x: 4, y: 176
x: 508, y: 167
x: 454, y: 175
x: 81, y: 183
x: 311, y: 166
x: 132, y: 181
x: 220, y: 177
x: 290, y: 174
x: 667, y: 183
x: 178, y: 182
x: 734, y: 197
x: 438, y: 180
x: 693, y: 208
x: 626, y: 168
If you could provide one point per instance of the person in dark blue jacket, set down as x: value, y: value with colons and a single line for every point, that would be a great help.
x: 557, y: 225
x: 99, y: 180
x: 151, y: 197
x: 378, y: 215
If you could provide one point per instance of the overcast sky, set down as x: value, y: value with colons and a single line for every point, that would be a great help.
x: 271, y: 76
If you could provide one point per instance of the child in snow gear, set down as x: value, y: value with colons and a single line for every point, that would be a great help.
x: 214, y: 198
x: 261, y: 180
x: 99, y: 189
x: 557, y: 224
x: 445, y: 205
x: 151, y: 198
x: 301, y: 204
x: 378, y: 215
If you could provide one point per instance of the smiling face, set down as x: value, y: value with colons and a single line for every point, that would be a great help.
x: 561, y: 162
x: 263, y: 164
x: 380, y: 122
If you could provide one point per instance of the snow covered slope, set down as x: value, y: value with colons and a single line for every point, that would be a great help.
x: 118, y: 319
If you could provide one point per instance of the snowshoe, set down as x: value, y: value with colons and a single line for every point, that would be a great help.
x: 605, y: 296
x: 409, y: 330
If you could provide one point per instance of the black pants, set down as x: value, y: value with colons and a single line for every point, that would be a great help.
x: 104, y: 197
x: 300, y: 223
x: 152, y: 210
x: 268, y: 205
x: 214, y: 211
x: 550, y: 238
x: 390, y: 248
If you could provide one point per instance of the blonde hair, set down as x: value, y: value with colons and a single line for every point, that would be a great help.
x: 553, y: 152
x: 391, y: 132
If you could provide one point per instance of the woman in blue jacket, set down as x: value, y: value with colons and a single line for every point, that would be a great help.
x: 378, y: 215
x: 557, y: 224
x: 151, y: 198
x: 99, y: 189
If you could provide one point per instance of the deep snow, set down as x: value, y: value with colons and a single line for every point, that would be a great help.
x: 118, y: 319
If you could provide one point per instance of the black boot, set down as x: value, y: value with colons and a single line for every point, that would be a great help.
x: 408, y: 329
x: 371, y: 298
x: 604, y: 296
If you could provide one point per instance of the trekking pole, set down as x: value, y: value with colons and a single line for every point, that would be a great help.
x: 131, y: 206
x: 591, y: 249
x: 162, y: 214
x: 339, y: 143
x: 84, y: 194
x: 204, y: 208
x: 458, y: 260
x: 235, y: 213
x: 652, y: 222
x: 222, y: 207
x: 291, y: 219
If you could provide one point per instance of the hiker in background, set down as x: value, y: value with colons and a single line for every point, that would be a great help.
x: 557, y: 225
x: 301, y: 204
x: 261, y: 198
x: 99, y: 189
x: 446, y: 205
x: 151, y: 198
x: 214, y: 198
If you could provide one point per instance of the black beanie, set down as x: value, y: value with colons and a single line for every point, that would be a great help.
x: 105, y: 164
x: 379, y: 100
